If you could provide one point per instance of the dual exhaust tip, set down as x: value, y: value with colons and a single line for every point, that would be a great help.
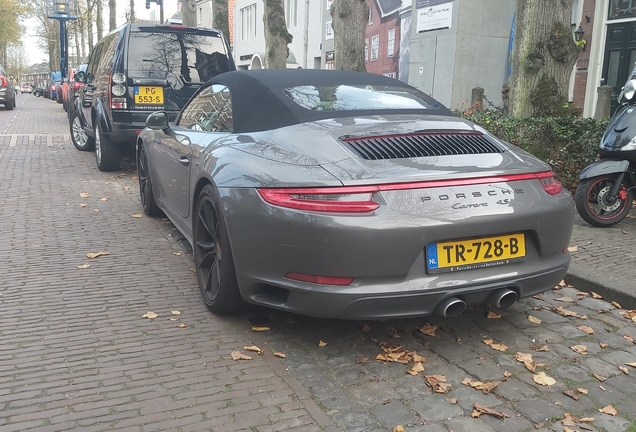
x: 452, y: 307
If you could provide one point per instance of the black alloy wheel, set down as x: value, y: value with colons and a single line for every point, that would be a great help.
x: 594, y: 204
x: 145, y: 186
x: 213, y: 256
x: 107, y: 154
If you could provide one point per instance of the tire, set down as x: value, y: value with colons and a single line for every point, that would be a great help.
x: 146, y: 193
x: 107, y: 154
x: 593, y: 205
x: 80, y: 139
x: 213, y: 256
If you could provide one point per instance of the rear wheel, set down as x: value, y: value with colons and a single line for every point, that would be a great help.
x: 213, y: 256
x: 80, y: 139
x: 145, y: 186
x: 107, y: 154
x: 594, y: 204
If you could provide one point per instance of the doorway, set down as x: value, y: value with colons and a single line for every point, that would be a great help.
x: 619, y: 58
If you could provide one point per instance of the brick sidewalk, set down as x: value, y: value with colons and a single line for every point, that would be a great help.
x: 76, y: 352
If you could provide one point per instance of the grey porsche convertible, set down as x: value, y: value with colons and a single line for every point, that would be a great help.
x: 349, y: 195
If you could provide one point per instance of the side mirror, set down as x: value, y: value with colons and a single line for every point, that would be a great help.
x: 158, y: 121
x: 80, y: 76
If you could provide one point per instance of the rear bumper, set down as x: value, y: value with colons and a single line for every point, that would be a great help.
x: 126, y: 125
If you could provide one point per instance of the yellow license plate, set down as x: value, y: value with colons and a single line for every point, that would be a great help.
x: 146, y: 95
x: 475, y: 253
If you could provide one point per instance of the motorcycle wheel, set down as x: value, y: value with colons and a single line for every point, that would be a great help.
x: 595, y: 206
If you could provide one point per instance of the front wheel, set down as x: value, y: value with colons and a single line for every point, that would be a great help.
x: 594, y: 204
x: 213, y: 256
x: 80, y: 139
x: 146, y: 193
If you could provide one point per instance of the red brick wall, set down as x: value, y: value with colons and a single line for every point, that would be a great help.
x: 381, y: 27
x: 582, y: 64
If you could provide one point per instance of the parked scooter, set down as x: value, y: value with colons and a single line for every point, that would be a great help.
x: 606, y: 188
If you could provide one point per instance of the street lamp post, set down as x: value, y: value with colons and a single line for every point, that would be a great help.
x: 61, y: 11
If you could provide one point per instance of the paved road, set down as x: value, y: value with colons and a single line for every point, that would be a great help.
x: 76, y: 354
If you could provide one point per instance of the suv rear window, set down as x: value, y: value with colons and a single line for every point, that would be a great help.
x: 194, y: 58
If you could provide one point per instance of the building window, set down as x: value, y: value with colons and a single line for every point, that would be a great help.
x: 291, y: 13
x: 621, y: 9
x: 390, y: 48
x: 366, y: 50
x: 375, y: 47
x: 328, y: 30
x: 248, y: 22
x: 329, y: 3
x: 200, y: 15
x: 371, y: 15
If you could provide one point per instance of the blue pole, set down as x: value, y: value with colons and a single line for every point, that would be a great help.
x: 63, y: 49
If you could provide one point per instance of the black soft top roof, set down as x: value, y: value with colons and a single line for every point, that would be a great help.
x: 259, y: 102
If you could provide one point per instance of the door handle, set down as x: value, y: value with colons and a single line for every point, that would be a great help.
x: 184, y: 161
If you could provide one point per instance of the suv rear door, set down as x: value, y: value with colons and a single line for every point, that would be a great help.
x: 167, y: 64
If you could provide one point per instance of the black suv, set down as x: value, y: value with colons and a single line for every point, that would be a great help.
x: 135, y: 70
x: 7, y: 92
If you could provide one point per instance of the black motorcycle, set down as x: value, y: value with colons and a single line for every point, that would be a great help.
x: 605, y: 191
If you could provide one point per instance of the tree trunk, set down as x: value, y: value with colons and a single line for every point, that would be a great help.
x: 99, y: 19
x: 220, y: 19
x: 349, y: 22
x: 131, y: 18
x: 276, y: 35
x: 77, y: 43
x: 82, y: 33
x: 89, y: 26
x: 543, y: 56
x: 189, y: 13
x: 112, y: 15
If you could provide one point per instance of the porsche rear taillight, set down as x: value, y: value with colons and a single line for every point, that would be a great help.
x: 549, y: 183
x: 321, y: 280
x: 329, y: 199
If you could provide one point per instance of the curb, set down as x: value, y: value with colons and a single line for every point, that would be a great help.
x: 611, y: 287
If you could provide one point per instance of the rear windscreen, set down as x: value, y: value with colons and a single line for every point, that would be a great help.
x: 193, y: 58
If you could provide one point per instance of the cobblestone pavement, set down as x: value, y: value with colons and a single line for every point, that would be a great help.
x: 76, y: 353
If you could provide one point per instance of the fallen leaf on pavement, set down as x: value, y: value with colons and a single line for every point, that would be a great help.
x: 544, y: 348
x: 616, y: 305
x: 416, y: 369
x: 507, y: 374
x: 362, y: 360
x: 182, y: 325
x: 609, y: 410
x: 237, y: 355
x: 527, y: 360
x: 82, y: 205
x: 624, y: 370
x: 567, y: 313
x: 492, y: 315
x: 175, y: 312
x: 253, y: 348
x: 571, y: 394
x: 437, y: 383
x: 587, y: 420
x: 601, y: 387
x: 91, y: 255
x: 399, y: 428
x: 138, y: 215
x: 173, y: 319
x: 96, y: 210
x: 603, y: 345
x: 134, y: 178
x: 596, y: 296
x: 586, y: 329
x: 566, y: 299
x: 481, y: 409
x: 394, y: 333
x: 601, y: 378
x: 542, y: 379
x: 149, y: 315
x: 629, y: 314
x: 104, y: 199
x: 631, y: 364
x: 126, y: 188
x: 581, y: 349
x: 582, y: 390
x: 322, y: 344
x: 84, y: 266
x: 495, y: 346
x: 177, y: 253
x: 568, y: 420
x: 628, y: 338
x: 567, y: 429
x: 279, y: 354
x: 84, y: 195
x: 428, y: 330
x: 260, y: 328
x: 534, y: 319
x: 366, y: 328
x: 538, y: 425
x: 573, y: 249
x: 418, y: 358
x: 485, y: 387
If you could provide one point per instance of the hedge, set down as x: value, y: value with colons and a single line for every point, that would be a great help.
x: 568, y: 144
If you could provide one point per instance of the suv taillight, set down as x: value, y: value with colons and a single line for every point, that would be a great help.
x: 77, y: 85
x: 3, y: 81
x: 118, y: 90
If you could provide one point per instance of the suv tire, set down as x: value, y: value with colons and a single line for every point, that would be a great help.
x: 80, y: 139
x: 107, y: 154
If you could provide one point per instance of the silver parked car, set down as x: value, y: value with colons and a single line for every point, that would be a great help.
x: 7, y: 90
x: 350, y: 195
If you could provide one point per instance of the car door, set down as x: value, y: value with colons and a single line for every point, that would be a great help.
x: 87, y: 92
x: 207, y: 118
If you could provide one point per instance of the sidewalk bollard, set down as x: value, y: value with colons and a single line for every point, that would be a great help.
x: 603, y: 102
x: 477, y: 98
